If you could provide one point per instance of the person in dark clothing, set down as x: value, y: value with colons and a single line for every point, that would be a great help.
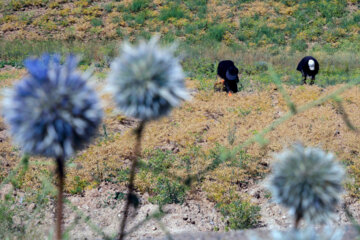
x: 308, y: 66
x: 229, y: 73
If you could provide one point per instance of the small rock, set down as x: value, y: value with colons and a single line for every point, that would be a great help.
x: 75, y: 200
x: 154, y: 228
x: 257, y: 194
x: 4, y: 135
x: 31, y: 207
x: 16, y: 220
x: 6, y: 189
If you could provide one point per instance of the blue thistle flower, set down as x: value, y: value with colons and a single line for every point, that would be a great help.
x: 308, y: 233
x: 308, y: 181
x: 52, y: 112
x: 147, y: 80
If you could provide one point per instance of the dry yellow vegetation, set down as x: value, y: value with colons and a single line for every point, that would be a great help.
x: 205, y: 123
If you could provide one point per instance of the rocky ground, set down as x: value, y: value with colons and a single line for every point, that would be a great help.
x: 100, y: 209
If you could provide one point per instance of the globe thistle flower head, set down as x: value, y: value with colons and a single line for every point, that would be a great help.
x: 147, y: 81
x: 308, y: 181
x: 308, y: 233
x: 52, y: 112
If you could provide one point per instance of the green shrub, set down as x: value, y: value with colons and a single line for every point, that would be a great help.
x: 261, y: 66
x: 78, y: 185
x: 138, y: 5
x: 356, y: 17
x: 123, y: 175
x: 247, y: 23
x: 173, y: 12
x: 119, y: 32
x: 288, y: 2
x: 194, y: 5
x: 128, y: 17
x: 332, y: 9
x: 168, y: 192
x: 190, y: 28
x: 144, y: 35
x: 108, y: 7
x: 168, y: 38
x: 96, y: 22
x: 140, y: 18
x: 8, y: 228
x: 217, y: 32
x: 6, y: 222
x: 197, y: 6
x: 200, y: 67
x: 195, y: 27
x: 299, y: 45
x: 120, y: 8
x: 242, y: 36
x: 158, y: 162
x: 116, y: 20
x: 240, y: 214
x: 222, y: 155
x: 231, y: 137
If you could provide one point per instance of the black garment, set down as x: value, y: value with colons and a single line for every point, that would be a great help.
x: 303, y: 67
x: 228, y: 67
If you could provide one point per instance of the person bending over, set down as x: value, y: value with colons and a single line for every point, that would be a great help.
x: 229, y: 73
x: 308, y: 66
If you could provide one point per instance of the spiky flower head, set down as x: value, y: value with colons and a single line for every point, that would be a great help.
x: 308, y: 233
x: 308, y: 181
x: 147, y: 81
x: 51, y: 111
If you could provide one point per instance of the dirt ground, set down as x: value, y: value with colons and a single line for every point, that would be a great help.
x: 195, y: 215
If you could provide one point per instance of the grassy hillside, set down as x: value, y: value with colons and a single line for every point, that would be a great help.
x: 299, y: 24
x: 32, y: 26
x: 252, y: 33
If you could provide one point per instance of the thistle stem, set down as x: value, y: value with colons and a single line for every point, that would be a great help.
x: 297, y: 221
x: 137, y: 152
x: 59, y: 205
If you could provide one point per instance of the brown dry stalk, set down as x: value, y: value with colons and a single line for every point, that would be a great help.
x: 59, y: 205
x: 129, y: 198
x: 345, y: 116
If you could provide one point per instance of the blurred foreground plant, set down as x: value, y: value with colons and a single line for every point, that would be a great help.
x: 52, y: 112
x: 309, y: 233
x: 308, y: 181
x: 147, y: 81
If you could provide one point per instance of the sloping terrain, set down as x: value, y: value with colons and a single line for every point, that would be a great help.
x: 185, y: 144
x: 193, y: 165
x: 298, y: 24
